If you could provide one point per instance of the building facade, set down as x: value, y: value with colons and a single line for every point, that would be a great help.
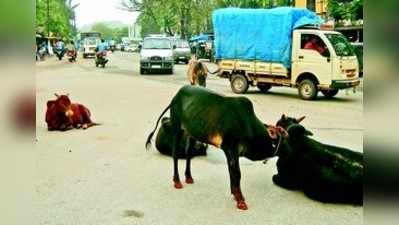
x: 318, y: 6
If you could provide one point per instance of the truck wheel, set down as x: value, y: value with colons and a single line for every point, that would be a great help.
x: 307, y: 89
x: 142, y: 70
x: 330, y: 93
x: 239, y: 84
x: 264, y: 87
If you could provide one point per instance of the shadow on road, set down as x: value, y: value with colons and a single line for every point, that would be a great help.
x: 320, y: 98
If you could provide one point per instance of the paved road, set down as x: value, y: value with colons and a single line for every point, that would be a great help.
x: 104, y: 175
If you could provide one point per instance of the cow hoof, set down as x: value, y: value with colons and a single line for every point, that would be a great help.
x: 178, y: 185
x: 189, y: 180
x: 85, y: 126
x: 242, y: 205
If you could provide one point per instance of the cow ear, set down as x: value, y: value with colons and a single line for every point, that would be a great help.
x: 50, y: 103
x: 308, y: 133
x: 300, y: 119
x: 297, y: 130
x: 56, y: 95
x: 283, y: 117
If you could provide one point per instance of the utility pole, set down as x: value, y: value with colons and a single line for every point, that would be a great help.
x: 48, y: 18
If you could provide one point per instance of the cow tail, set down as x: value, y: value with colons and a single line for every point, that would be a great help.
x: 214, y: 72
x: 148, y: 142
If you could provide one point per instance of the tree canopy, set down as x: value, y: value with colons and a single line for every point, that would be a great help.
x: 61, y: 15
x: 108, y: 31
x: 346, y: 9
x: 186, y: 17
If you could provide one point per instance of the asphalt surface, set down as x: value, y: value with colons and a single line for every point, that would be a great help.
x: 104, y: 175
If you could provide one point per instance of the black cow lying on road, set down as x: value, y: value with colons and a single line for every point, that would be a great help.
x: 165, y: 137
x: 228, y: 123
x: 325, y: 173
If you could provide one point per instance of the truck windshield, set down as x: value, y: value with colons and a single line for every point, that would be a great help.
x: 91, y: 41
x: 157, y: 43
x: 341, y: 45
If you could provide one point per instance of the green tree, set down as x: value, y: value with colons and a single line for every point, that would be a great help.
x: 59, y: 22
x: 106, y: 31
x: 186, y: 17
x: 346, y: 9
x: 109, y: 32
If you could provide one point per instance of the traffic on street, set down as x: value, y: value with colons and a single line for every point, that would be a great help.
x: 246, y: 118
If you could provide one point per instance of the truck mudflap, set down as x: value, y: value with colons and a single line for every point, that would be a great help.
x: 342, y: 84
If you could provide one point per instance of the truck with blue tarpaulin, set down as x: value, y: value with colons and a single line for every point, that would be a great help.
x: 282, y: 46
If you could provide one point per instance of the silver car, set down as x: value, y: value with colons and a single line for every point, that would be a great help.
x: 156, y: 54
x: 182, y: 52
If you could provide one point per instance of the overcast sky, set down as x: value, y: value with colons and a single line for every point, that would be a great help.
x: 91, y: 11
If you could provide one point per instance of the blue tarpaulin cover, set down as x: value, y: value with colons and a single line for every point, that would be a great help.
x: 259, y: 34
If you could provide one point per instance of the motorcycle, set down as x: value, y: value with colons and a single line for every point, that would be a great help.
x: 72, y: 56
x: 112, y: 48
x: 59, y: 53
x: 101, y: 59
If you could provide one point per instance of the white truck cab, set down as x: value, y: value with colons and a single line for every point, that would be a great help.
x: 329, y: 67
x: 89, y: 46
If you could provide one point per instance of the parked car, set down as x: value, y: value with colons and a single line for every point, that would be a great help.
x: 132, y: 48
x: 182, y: 52
x: 156, y: 54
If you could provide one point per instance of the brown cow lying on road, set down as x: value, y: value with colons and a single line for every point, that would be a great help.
x: 63, y: 115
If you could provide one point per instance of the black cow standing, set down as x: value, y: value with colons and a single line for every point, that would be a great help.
x: 325, y: 173
x: 228, y: 123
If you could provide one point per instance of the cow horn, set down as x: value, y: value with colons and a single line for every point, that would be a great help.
x: 300, y: 119
x: 56, y: 95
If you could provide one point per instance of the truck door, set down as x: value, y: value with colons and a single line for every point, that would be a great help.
x: 313, y: 57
